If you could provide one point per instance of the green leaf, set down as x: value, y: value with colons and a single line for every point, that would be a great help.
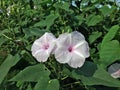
x: 29, y: 87
x: 4, y: 31
x: 105, y: 76
x: 2, y: 40
x: 45, y: 84
x: 37, y: 32
x: 85, y: 1
x: 66, y: 71
x: 65, y: 6
x: 110, y: 52
x: 80, y: 18
x: 92, y: 20
x: 42, y: 23
x: 42, y: 84
x: 9, y: 62
x: 101, y: 77
x: 88, y: 69
x: 94, y: 36
x: 50, y: 19
x: 93, y: 1
x: 110, y: 35
x: 106, y: 10
x: 32, y: 73
x: 33, y: 32
x: 53, y: 85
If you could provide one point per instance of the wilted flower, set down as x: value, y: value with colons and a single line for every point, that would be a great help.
x: 114, y: 70
x: 42, y: 47
x: 71, y: 48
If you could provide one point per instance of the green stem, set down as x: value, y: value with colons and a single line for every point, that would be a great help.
x: 7, y: 37
x: 64, y: 77
x: 78, y: 82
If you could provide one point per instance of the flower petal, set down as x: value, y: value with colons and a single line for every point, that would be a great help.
x: 83, y: 48
x: 76, y: 37
x: 42, y: 56
x: 48, y: 37
x: 63, y: 40
x: 37, y: 45
x: 76, y: 61
x: 114, y: 70
x: 62, y: 55
x: 114, y: 67
x: 116, y: 74
x: 51, y: 39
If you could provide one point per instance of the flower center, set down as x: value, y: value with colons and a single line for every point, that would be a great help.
x: 46, y: 46
x: 70, y: 49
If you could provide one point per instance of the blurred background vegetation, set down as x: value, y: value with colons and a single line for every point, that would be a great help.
x: 23, y: 21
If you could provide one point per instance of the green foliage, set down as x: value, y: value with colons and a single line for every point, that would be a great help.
x: 110, y: 52
x: 102, y: 79
x: 9, y: 62
x: 98, y: 78
x: 106, y: 10
x: 33, y: 32
x: 23, y: 21
x: 94, y: 36
x: 110, y: 35
x: 44, y: 84
x: 110, y: 49
x: 32, y: 73
x: 92, y: 20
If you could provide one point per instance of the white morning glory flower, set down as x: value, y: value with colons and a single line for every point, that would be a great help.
x: 43, y: 47
x: 116, y: 74
x: 71, y: 48
x: 114, y: 70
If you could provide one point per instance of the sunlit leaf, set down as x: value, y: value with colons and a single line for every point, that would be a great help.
x: 110, y: 35
x: 93, y: 20
x: 50, y: 19
x: 110, y: 52
x: 106, y: 10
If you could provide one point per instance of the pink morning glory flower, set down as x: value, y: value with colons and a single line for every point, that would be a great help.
x: 43, y: 47
x: 71, y: 48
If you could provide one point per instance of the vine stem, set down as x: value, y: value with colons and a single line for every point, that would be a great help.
x: 78, y: 82
x: 7, y: 37
x: 64, y: 77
